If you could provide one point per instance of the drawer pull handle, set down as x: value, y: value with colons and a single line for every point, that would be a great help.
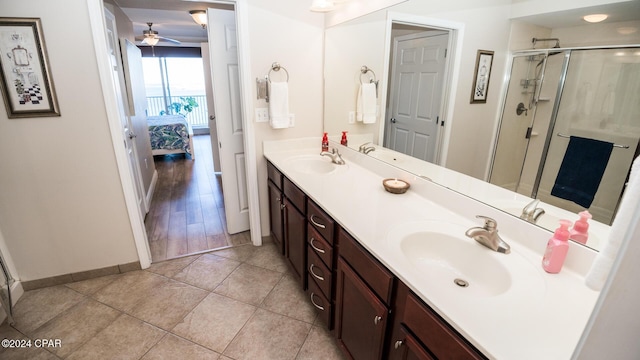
x: 314, y: 274
x: 398, y: 344
x: 321, y: 226
x: 278, y: 199
x: 321, y: 308
x: 321, y: 251
x: 377, y: 319
x: 283, y: 206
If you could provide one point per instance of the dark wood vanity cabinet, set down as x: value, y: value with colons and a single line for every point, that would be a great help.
x: 363, y: 300
x: 295, y: 230
x: 276, y: 206
x: 373, y: 315
x: 419, y: 333
x: 321, y: 261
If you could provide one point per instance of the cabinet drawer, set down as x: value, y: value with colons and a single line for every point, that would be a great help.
x: 320, y: 221
x: 295, y: 195
x: 320, y: 302
x: 274, y: 175
x: 320, y: 246
x: 319, y: 273
x: 379, y: 279
x: 436, y: 335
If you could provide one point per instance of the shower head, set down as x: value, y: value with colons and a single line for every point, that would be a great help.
x: 556, y: 46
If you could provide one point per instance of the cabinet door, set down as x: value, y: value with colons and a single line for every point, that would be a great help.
x: 361, y: 318
x: 409, y: 348
x: 295, y: 241
x: 276, y: 218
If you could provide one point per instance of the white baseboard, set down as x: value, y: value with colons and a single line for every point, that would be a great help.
x: 152, y: 189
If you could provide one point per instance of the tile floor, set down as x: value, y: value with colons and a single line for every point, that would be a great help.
x: 236, y: 303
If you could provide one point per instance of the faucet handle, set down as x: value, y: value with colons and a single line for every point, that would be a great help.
x: 489, y: 223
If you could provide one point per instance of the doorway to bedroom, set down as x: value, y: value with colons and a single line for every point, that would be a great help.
x: 187, y: 213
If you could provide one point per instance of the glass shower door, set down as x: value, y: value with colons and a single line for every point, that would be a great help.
x: 517, y: 122
x: 600, y: 101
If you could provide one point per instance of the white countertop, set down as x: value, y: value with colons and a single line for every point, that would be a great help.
x: 540, y: 316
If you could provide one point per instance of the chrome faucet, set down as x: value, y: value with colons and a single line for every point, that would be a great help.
x: 366, y: 149
x: 532, y: 212
x: 488, y: 235
x: 335, y: 156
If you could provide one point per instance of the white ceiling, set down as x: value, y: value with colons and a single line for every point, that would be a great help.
x: 171, y: 18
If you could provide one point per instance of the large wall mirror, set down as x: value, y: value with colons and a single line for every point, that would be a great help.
x: 386, y: 43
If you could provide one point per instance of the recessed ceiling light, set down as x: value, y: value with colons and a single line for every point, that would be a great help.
x: 322, y: 5
x: 627, y: 30
x: 594, y: 18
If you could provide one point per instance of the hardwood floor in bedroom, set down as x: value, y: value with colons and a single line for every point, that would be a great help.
x: 187, y: 210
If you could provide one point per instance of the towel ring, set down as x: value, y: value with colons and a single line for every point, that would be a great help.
x: 363, y: 71
x: 276, y: 67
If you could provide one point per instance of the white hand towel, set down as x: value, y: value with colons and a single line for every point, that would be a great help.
x: 366, y: 104
x: 279, y: 105
x: 604, y: 260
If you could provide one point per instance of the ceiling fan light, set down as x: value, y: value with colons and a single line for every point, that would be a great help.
x: 151, y: 40
x: 199, y: 16
x: 595, y: 18
x: 322, y: 5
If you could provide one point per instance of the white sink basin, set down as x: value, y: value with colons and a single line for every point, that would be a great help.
x: 312, y: 164
x: 446, y: 256
x: 453, y: 267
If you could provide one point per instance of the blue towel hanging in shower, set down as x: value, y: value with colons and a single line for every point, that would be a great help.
x: 581, y: 171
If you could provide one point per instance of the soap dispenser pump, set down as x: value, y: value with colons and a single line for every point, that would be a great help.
x: 580, y: 230
x: 557, y: 248
x: 343, y: 141
x: 325, y: 142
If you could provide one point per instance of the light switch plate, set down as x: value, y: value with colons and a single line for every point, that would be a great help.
x: 262, y: 115
x: 292, y: 120
x: 352, y: 117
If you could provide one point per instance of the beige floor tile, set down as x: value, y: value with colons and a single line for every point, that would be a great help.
x: 77, y: 325
x: 21, y: 353
x: 173, y: 347
x: 239, y: 253
x: 268, y: 336
x: 214, y: 322
x: 249, y: 284
x: 168, y: 303
x: 287, y: 298
x: 126, y: 338
x: 36, y: 307
x: 90, y: 286
x: 207, y: 272
x: 128, y: 290
x: 267, y: 256
x: 320, y: 345
x: 170, y: 268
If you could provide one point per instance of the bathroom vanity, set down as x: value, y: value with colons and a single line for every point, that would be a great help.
x: 394, y: 276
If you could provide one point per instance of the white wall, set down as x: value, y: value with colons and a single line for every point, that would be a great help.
x: 62, y: 208
x: 287, y: 32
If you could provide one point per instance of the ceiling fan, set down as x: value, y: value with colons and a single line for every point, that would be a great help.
x: 151, y: 37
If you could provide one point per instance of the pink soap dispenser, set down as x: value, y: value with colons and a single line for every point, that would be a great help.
x: 557, y: 248
x: 580, y: 230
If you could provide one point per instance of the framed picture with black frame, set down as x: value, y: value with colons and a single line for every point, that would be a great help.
x: 25, y: 77
x: 481, y: 76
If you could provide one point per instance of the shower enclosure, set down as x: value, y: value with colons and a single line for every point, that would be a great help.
x: 554, y: 94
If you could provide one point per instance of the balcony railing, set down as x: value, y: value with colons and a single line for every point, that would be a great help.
x: 197, y: 118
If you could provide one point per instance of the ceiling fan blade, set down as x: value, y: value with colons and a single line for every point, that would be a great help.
x: 169, y: 39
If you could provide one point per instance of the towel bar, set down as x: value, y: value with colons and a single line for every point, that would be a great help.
x: 614, y: 145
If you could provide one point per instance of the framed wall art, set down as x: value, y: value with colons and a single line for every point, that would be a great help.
x: 25, y: 78
x: 481, y: 76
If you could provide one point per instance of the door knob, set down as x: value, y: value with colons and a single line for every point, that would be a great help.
x: 393, y: 120
x: 212, y: 117
x: 132, y: 135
